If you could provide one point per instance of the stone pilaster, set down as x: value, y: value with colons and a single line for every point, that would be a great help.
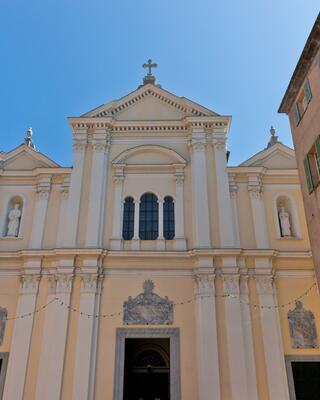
x: 223, y: 195
x: 52, y: 354
x: 73, y: 206
x: 21, y: 340
x: 116, y: 238
x: 40, y: 211
x: 235, y: 336
x: 200, y: 198
x: 99, y: 172
x: 233, y: 189
x: 272, y: 339
x: 63, y: 210
x: 248, y: 339
x: 207, y: 342
x: 258, y: 212
x: 85, y: 350
x: 180, y: 239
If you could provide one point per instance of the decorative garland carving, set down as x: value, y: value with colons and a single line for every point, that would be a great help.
x: 148, y: 308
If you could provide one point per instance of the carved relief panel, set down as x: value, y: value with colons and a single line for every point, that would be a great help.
x: 302, y: 327
x: 148, y: 308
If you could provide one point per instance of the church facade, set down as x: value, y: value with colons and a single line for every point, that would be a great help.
x: 152, y: 270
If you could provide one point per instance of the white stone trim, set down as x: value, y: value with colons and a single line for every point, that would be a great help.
x: 21, y: 339
x: 272, y: 339
x: 171, y: 333
x: 235, y: 338
x: 207, y: 342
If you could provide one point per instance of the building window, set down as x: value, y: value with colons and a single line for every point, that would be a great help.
x: 128, y: 219
x: 302, y: 102
x: 148, y: 217
x: 312, y: 166
x: 168, y: 218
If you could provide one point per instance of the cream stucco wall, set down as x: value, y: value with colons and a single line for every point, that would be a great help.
x: 175, y: 271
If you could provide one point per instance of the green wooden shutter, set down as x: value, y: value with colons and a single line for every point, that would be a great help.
x: 308, y: 174
x: 307, y: 91
x: 318, y: 152
x: 296, y: 113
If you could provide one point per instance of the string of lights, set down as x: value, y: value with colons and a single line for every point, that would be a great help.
x: 188, y: 301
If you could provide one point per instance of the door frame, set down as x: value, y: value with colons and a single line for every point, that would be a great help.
x: 288, y: 360
x: 173, y: 334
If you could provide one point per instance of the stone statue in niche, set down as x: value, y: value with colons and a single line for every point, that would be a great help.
x: 302, y: 328
x: 148, y: 308
x: 14, y: 217
x: 285, y: 225
x: 3, y: 319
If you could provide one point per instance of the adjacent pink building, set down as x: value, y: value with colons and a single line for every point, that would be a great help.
x: 301, y: 103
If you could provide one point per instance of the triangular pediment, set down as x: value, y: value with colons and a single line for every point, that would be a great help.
x: 278, y: 156
x: 149, y: 103
x: 24, y: 157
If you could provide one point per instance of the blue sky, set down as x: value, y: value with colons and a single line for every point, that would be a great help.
x: 61, y: 58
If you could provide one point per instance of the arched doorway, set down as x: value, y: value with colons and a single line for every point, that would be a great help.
x: 147, y: 369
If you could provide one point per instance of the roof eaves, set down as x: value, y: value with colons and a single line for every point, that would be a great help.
x: 307, y: 56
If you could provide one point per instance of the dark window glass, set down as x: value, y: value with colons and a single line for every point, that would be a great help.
x: 148, y: 218
x: 128, y: 219
x: 168, y: 218
x: 306, y: 376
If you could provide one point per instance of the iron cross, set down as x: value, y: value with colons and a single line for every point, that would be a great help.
x: 150, y: 66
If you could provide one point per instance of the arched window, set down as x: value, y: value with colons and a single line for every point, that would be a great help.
x: 148, y: 218
x: 168, y: 218
x: 128, y: 219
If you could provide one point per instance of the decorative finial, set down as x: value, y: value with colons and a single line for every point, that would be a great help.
x: 274, y: 138
x: 149, y: 78
x: 28, y: 138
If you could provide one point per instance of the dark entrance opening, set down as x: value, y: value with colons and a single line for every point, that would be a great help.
x: 147, y: 369
x: 306, y: 377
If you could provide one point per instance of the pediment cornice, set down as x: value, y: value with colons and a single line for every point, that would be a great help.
x: 29, y: 152
x: 87, y: 125
x: 184, y: 106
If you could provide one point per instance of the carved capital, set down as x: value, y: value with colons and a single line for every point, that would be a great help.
x: 89, y: 283
x: 43, y: 194
x: 255, y: 192
x: 264, y: 284
x: 231, y: 283
x: 198, y: 144
x: 29, y: 283
x: 118, y: 179
x: 179, y: 179
x: 219, y: 143
x: 79, y: 147
x: 60, y: 283
x: 100, y: 147
x: 64, y: 283
x: 233, y: 191
x: 43, y: 188
x: 205, y: 284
